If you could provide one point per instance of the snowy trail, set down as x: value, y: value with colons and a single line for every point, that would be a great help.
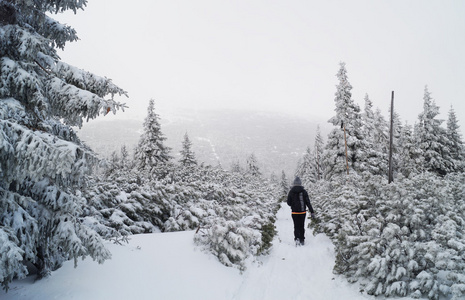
x: 169, y: 266
x: 291, y: 272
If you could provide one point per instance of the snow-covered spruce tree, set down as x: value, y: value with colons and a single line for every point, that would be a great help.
x: 151, y: 154
x: 397, y: 145
x: 457, y: 149
x: 375, y: 132
x: 125, y: 160
x: 237, y: 219
x: 306, y: 168
x: 400, y: 239
x: 318, y: 151
x: 43, y: 164
x: 347, y: 117
x: 124, y: 203
x: 284, y: 185
x: 236, y: 166
x: 410, y: 158
x: 433, y: 139
x: 187, y: 155
x: 252, y: 166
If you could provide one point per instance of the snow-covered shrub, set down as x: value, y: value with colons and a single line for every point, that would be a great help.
x: 240, y: 224
x: 400, y: 239
x: 233, y: 214
x: 122, y: 207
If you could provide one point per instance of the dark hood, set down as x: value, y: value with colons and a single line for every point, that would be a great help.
x: 297, y: 189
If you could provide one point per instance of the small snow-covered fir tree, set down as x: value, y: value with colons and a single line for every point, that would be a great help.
x: 375, y: 132
x: 318, y: 151
x: 236, y: 166
x: 432, y: 138
x: 409, y: 160
x: 252, y: 166
x: 43, y: 164
x: 284, y: 184
x: 457, y: 149
x: 187, y: 155
x: 151, y: 152
x: 126, y: 162
x: 306, y: 169
x: 396, y: 144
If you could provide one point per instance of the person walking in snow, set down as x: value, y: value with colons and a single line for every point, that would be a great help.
x: 298, y: 200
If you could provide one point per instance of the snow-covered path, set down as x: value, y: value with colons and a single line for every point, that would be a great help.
x: 291, y: 272
x: 169, y: 266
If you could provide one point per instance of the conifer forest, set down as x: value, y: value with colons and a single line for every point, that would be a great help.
x: 59, y: 200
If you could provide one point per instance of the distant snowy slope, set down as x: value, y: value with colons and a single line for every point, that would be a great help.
x: 224, y: 136
x: 168, y: 266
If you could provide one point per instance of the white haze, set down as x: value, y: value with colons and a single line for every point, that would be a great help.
x: 275, y: 55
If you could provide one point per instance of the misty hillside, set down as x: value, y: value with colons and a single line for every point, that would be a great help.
x: 278, y: 141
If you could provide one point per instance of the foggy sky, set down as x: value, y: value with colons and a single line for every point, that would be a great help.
x: 274, y: 55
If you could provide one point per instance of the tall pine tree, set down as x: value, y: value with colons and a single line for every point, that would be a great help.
x: 43, y: 164
x: 432, y: 138
x: 457, y: 149
x: 151, y: 152
x: 347, y: 118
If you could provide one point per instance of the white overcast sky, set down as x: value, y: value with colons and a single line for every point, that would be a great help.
x: 275, y: 55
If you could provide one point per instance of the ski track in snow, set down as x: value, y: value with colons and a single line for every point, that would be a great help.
x: 168, y: 266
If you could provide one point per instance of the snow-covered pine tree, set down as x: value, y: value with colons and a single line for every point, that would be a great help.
x: 306, y: 168
x: 457, y: 149
x: 433, y: 139
x: 187, y: 155
x: 368, y: 117
x: 252, y: 166
x: 284, y: 184
x: 374, y: 157
x: 236, y: 166
x: 126, y: 162
x: 347, y: 117
x: 274, y: 180
x: 397, y: 146
x: 43, y: 164
x: 409, y: 160
x: 151, y: 153
x: 318, y: 153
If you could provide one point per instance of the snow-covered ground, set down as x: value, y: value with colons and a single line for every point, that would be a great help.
x: 169, y: 266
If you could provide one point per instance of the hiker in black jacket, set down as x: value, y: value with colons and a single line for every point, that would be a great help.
x: 298, y: 200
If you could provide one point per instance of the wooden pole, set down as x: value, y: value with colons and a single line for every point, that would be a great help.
x: 391, y: 133
x: 347, y: 158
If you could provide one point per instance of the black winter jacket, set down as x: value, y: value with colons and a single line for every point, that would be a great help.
x: 298, y: 203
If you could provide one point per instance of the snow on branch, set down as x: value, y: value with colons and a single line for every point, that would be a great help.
x: 101, y: 86
x: 58, y: 33
x: 73, y: 104
x: 36, y: 155
x: 11, y: 257
x: 19, y: 42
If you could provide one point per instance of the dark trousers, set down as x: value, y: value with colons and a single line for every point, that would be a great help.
x: 299, y: 226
